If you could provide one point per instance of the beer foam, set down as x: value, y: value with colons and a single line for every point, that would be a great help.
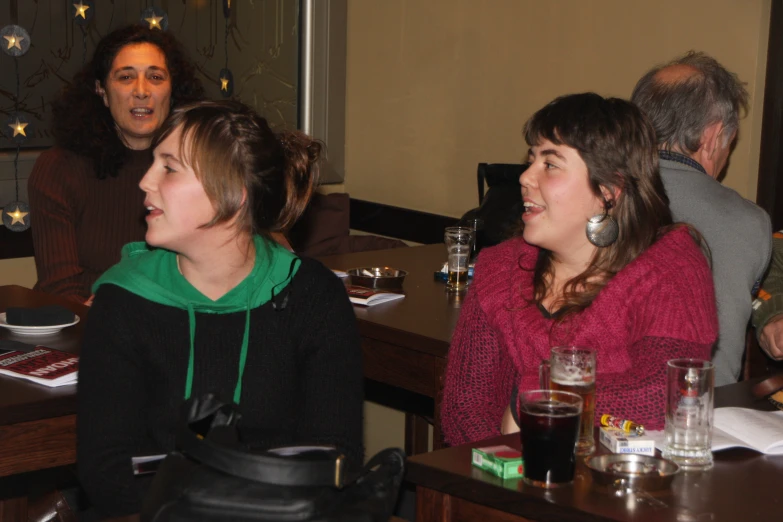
x: 569, y: 375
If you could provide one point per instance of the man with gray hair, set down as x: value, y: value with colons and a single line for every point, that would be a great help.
x: 694, y: 103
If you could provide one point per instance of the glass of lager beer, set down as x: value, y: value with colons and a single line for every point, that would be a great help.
x: 459, y: 243
x: 572, y: 369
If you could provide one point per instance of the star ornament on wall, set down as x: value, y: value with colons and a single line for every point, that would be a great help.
x: 154, y: 21
x: 81, y: 10
x: 18, y: 128
x: 16, y: 216
x: 15, y: 40
x: 155, y: 18
x: 226, y: 83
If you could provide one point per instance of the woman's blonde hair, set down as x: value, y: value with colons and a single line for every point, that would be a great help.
x: 248, y: 171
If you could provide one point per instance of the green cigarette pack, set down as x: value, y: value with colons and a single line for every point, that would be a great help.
x: 502, y: 461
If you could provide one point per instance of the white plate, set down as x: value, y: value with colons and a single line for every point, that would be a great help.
x: 35, y: 330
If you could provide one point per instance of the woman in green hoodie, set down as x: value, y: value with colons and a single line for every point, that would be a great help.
x: 211, y: 304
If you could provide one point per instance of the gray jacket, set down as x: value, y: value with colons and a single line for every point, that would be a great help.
x: 739, y: 235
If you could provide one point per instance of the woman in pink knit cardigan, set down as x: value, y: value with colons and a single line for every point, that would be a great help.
x: 631, y: 284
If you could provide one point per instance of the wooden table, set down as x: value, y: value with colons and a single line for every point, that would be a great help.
x: 405, y: 342
x: 37, y: 424
x: 742, y: 486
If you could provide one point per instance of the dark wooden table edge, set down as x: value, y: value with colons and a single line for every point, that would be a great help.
x: 454, y: 485
x: 414, y: 342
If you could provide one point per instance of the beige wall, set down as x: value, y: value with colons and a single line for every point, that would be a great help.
x: 435, y: 87
x: 19, y: 271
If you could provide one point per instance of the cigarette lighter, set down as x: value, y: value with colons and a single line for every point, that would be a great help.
x: 622, y: 424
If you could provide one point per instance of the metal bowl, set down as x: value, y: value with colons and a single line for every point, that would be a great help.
x: 377, y: 277
x: 632, y: 472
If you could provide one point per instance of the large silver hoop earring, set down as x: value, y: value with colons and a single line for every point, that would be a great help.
x: 602, y: 229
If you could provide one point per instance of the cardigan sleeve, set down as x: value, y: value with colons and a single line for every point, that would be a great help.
x: 639, y: 394
x: 111, y: 423
x: 479, y: 378
x: 54, y: 229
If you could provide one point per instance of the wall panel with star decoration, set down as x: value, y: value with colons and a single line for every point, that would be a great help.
x: 262, y: 47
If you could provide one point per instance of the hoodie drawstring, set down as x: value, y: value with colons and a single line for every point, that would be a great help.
x: 242, y: 353
x: 192, y: 356
x: 295, y: 262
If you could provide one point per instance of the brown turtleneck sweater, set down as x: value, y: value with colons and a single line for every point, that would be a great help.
x: 80, y: 222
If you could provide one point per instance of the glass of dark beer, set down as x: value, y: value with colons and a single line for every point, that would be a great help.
x: 549, y: 428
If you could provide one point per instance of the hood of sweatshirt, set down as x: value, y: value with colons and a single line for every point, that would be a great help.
x: 154, y: 275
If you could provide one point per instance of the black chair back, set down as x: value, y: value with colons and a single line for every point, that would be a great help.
x: 499, y: 174
x: 500, y: 206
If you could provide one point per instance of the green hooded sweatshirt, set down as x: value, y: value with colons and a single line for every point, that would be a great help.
x: 155, y: 276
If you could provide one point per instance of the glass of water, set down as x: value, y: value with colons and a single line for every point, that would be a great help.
x: 459, y: 244
x: 690, y: 396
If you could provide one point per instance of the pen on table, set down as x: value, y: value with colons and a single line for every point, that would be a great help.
x: 623, y: 424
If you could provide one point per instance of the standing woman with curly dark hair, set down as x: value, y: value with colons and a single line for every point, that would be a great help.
x: 84, y: 191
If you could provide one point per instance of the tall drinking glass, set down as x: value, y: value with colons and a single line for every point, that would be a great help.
x: 690, y: 396
x: 572, y: 369
x: 459, y: 243
x: 549, y: 427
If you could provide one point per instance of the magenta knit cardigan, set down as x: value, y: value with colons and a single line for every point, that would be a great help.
x: 659, y: 307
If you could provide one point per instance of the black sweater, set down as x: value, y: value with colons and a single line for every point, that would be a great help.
x: 303, y: 380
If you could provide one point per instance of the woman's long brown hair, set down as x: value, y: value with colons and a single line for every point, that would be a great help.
x: 618, y: 145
